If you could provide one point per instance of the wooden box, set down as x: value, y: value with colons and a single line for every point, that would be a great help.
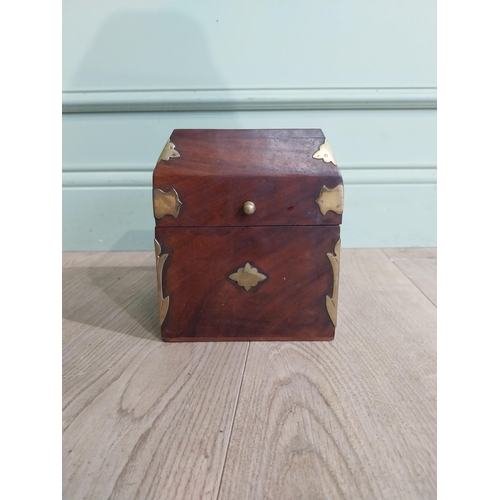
x: 247, y: 235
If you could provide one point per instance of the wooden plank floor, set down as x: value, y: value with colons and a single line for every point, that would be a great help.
x: 350, y: 419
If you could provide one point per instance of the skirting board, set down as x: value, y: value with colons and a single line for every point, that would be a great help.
x: 247, y: 99
x: 375, y: 215
x: 387, y: 159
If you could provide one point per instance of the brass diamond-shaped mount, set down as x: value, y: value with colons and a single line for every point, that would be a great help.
x: 325, y: 153
x: 247, y: 276
x: 166, y: 203
x: 169, y: 152
x: 331, y: 199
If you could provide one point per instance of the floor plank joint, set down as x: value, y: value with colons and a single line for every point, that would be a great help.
x: 350, y: 419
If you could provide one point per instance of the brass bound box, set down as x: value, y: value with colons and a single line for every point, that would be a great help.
x: 247, y: 235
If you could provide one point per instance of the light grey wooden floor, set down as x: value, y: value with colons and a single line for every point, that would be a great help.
x: 350, y: 419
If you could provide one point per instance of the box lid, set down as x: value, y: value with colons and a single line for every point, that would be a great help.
x: 215, y: 178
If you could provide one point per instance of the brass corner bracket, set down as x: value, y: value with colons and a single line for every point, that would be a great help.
x: 331, y: 199
x: 166, y: 203
x: 325, y: 153
x: 169, y: 152
x: 163, y: 302
x: 332, y: 302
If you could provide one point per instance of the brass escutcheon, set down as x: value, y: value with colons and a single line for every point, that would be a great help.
x: 247, y: 276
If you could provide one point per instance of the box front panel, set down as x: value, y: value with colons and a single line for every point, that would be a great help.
x: 248, y: 283
x: 280, y: 201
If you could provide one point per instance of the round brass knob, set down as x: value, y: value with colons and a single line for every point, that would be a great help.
x: 249, y: 207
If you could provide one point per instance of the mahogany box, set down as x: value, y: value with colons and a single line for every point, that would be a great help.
x: 247, y: 235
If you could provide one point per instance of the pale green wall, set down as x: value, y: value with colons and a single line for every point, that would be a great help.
x: 362, y: 71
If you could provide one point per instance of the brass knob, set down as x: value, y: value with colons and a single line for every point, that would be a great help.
x: 249, y: 207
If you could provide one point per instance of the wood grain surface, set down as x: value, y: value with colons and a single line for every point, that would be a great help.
x: 411, y: 253
x: 205, y: 304
x: 354, y: 418
x: 350, y: 419
x: 219, y: 170
x: 141, y: 419
x: 420, y: 265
